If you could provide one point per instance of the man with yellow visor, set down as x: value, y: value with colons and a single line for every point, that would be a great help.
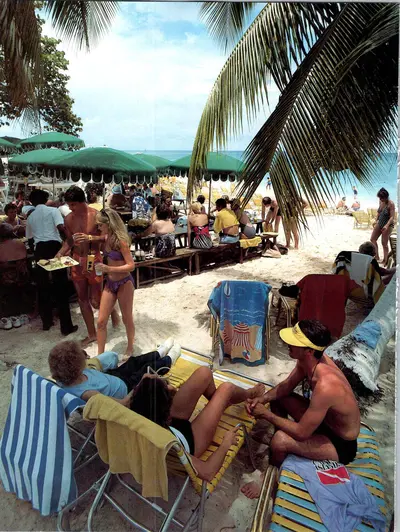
x: 325, y: 421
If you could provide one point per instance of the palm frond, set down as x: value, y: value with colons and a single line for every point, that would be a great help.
x: 335, y: 114
x: 82, y: 21
x: 276, y: 41
x: 20, y: 49
x: 226, y: 21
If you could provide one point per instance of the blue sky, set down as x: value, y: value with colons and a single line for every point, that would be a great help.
x: 145, y: 84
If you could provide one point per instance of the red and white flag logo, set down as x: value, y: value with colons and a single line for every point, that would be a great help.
x: 330, y: 472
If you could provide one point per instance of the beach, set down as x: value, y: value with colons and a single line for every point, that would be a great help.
x: 178, y: 308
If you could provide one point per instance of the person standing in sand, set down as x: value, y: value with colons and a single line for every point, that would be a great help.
x: 119, y: 282
x: 326, y: 420
x: 384, y: 224
x: 84, y: 237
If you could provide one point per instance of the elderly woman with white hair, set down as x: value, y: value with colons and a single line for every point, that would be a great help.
x: 198, y: 230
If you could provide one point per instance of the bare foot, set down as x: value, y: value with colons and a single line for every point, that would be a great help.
x: 116, y: 321
x: 256, y: 391
x: 88, y: 340
x: 252, y: 490
x: 127, y: 355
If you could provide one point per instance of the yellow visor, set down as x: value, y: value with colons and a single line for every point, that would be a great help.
x: 295, y: 336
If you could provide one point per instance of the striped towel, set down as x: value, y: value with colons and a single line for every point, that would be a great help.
x: 35, y: 450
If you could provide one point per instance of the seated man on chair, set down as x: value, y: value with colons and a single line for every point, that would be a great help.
x: 326, y: 420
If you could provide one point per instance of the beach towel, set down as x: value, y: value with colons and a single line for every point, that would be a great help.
x: 35, y: 450
x: 355, y: 354
x: 130, y: 443
x: 363, y: 270
x: 250, y: 242
x: 242, y: 310
x: 323, y: 298
x: 342, y: 498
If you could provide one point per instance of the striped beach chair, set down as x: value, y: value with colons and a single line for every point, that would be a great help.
x: 294, y: 508
x: 178, y: 463
x: 35, y: 450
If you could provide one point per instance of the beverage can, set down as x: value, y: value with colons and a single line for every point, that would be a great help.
x: 96, y: 268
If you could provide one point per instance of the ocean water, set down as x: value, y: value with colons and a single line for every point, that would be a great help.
x: 385, y: 175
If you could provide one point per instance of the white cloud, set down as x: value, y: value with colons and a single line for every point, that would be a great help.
x: 144, y: 86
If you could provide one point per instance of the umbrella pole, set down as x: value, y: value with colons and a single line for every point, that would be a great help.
x: 54, y: 184
x: 209, y: 198
x: 104, y: 193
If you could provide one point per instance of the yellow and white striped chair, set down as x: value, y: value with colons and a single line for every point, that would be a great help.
x: 295, y: 510
x: 178, y: 463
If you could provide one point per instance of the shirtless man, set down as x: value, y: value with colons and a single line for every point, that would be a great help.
x: 84, y: 236
x: 326, y: 420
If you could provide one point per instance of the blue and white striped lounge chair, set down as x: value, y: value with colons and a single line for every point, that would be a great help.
x: 295, y: 510
x: 35, y: 450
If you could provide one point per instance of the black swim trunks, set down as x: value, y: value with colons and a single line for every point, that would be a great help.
x: 346, y: 449
x: 185, y: 428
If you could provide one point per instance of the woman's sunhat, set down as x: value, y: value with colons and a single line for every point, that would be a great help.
x: 295, y: 336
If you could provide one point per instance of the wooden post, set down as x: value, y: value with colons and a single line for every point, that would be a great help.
x: 209, y: 197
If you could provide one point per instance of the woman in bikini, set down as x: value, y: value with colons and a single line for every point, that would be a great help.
x: 384, y: 224
x: 119, y: 281
x: 155, y: 399
x: 198, y: 230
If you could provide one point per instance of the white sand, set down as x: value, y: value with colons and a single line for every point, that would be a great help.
x: 179, y: 308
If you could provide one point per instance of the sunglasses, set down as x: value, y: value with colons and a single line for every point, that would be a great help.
x: 156, y: 372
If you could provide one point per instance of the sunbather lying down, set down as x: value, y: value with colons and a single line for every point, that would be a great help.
x: 155, y: 399
x: 68, y: 366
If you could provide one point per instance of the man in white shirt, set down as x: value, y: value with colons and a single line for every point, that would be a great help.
x: 45, y: 232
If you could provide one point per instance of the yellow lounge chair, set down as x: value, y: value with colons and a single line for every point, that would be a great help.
x: 177, y: 461
x: 361, y: 219
x: 294, y: 509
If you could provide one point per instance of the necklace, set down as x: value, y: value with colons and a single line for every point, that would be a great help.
x: 306, y: 384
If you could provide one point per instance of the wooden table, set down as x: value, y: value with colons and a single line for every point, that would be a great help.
x: 179, y: 233
x: 166, y: 264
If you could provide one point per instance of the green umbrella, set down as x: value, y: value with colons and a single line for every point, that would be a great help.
x: 6, y: 146
x: 217, y: 163
x: 13, y: 140
x: 158, y: 162
x: 105, y: 164
x: 48, y: 140
x: 41, y: 157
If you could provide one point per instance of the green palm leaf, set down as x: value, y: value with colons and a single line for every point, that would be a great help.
x: 335, y: 113
x: 19, y: 49
x: 274, y: 43
x: 81, y: 21
x: 226, y: 21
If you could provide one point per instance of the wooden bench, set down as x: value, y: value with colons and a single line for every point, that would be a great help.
x: 183, y: 256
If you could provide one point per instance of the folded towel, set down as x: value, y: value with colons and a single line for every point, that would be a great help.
x: 130, y: 443
x: 368, y: 333
x: 250, y: 242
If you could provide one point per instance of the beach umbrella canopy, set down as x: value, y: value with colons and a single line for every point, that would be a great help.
x: 13, y: 140
x: 106, y: 164
x: 42, y: 157
x: 218, y: 164
x: 52, y: 139
x: 158, y: 162
x: 6, y: 146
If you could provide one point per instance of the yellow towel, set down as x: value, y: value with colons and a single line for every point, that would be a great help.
x: 250, y: 242
x: 130, y: 443
x: 94, y: 363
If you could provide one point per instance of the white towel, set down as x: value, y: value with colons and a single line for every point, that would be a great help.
x: 359, y: 268
x: 35, y: 450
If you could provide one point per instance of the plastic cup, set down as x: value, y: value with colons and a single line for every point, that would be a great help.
x: 96, y: 268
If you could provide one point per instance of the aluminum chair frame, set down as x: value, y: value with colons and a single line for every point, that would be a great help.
x: 195, y: 522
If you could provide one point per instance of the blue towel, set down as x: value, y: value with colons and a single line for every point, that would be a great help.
x: 342, y: 499
x: 368, y: 333
x: 35, y: 450
x: 242, y: 309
